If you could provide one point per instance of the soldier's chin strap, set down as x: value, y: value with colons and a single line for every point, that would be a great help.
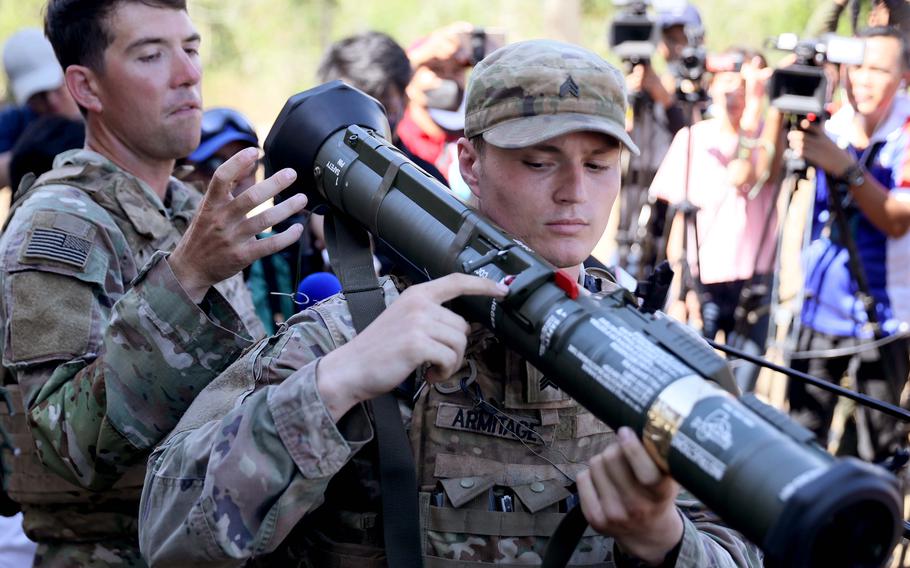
x: 352, y: 261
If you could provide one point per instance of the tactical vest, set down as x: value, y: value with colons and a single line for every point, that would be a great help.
x: 497, y: 447
x: 53, y: 508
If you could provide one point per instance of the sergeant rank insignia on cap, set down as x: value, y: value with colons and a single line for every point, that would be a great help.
x: 569, y: 87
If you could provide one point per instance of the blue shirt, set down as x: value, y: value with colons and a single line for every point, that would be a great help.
x: 13, y: 121
x: 831, y: 303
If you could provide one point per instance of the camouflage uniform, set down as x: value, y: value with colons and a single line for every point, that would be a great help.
x: 256, y: 468
x: 104, y: 348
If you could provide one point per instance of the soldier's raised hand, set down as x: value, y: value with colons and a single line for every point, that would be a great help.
x: 221, y: 240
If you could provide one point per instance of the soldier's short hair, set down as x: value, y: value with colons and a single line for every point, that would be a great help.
x: 78, y: 29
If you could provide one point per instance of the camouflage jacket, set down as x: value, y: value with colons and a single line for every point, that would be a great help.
x: 105, y: 347
x: 256, y: 471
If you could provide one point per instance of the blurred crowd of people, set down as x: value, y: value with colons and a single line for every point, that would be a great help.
x: 718, y: 165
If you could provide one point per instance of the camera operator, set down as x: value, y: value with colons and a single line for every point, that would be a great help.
x: 722, y: 167
x: 667, y: 113
x: 861, y: 158
x: 658, y: 113
x: 661, y: 90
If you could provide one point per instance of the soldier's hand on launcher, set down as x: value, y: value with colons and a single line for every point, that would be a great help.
x: 415, y: 329
x: 626, y: 496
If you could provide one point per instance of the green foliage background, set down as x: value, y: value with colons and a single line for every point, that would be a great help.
x: 257, y: 53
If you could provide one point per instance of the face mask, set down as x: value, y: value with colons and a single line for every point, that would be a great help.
x: 447, y: 96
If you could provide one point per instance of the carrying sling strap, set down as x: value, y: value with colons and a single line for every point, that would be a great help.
x: 565, y: 538
x: 352, y: 261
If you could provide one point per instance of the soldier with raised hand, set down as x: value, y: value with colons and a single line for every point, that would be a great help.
x: 107, y: 337
x: 275, y: 461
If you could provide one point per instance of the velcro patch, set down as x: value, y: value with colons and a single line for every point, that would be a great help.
x: 53, y: 244
x: 478, y: 421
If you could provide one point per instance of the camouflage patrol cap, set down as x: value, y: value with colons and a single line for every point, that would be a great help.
x: 531, y: 91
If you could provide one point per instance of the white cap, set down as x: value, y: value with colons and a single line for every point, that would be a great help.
x: 30, y: 64
x: 677, y: 13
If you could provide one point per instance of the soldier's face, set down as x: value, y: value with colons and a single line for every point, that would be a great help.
x: 555, y: 196
x: 149, y: 87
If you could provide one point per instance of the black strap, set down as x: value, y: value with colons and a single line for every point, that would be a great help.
x: 387, y: 180
x: 565, y: 538
x: 352, y: 261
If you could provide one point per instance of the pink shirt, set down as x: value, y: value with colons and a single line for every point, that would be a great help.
x: 729, y: 223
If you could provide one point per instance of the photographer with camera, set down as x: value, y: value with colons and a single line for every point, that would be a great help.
x: 674, y: 25
x: 859, y: 247
x: 660, y: 106
x: 500, y: 453
x: 434, y: 118
x: 717, y: 174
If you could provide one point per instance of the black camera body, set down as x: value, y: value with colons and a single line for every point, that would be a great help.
x: 692, y: 63
x: 689, y: 69
x: 801, y: 90
x: 634, y: 34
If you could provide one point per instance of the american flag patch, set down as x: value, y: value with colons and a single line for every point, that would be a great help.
x: 54, y: 244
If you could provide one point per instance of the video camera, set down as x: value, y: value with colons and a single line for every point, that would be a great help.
x: 634, y: 33
x: 693, y: 60
x: 801, y: 90
x: 690, y: 68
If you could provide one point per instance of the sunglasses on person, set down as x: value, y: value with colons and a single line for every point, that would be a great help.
x: 214, y: 120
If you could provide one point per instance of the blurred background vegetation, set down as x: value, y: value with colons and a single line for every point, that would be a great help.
x: 256, y: 53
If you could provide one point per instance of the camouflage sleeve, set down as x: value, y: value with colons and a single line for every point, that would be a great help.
x: 707, y: 543
x: 240, y: 470
x: 100, y: 401
x: 241, y: 297
x: 235, y: 487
